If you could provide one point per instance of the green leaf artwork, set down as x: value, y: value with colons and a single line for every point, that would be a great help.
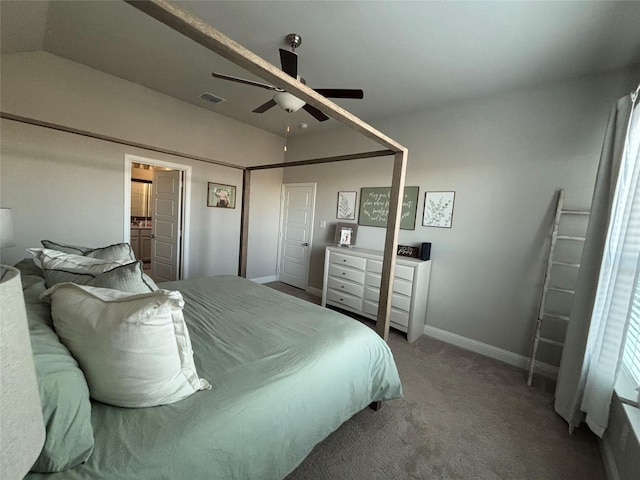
x: 346, y: 205
x: 438, y: 209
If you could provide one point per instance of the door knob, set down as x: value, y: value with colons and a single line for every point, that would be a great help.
x: 305, y: 244
x: 153, y: 235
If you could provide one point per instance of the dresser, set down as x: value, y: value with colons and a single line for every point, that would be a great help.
x: 352, y: 279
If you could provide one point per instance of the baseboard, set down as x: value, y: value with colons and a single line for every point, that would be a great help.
x: 317, y: 292
x: 490, y: 351
x: 609, y: 461
x: 270, y: 278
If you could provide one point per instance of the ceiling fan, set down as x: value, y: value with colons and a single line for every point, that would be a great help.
x: 286, y: 101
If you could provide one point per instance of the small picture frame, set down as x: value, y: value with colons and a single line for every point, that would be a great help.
x: 407, y: 251
x: 221, y: 196
x: 346, y: 209
x: 438, y: 209
x: 346, y: 234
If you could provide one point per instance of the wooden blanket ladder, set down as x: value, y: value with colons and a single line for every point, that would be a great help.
x: 545, y: 311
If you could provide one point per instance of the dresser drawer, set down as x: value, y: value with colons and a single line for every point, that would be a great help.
x: 401, y: 318
x: 404, y: 272
x: 345, y: 286
x: 401, y: 271
x: 397, y: 301
x: 348, y: 261
x: 346, y: 273
x: 370, y: 308
x: 398, y: 317
x: 374, y: 266
x: 399, y: 286
x: 402, y: 286
x: 345, y: 299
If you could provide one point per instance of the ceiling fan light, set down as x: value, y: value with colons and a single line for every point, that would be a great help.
x: 288, y: 102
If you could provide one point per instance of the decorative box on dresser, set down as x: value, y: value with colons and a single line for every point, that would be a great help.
x: 352, y: 282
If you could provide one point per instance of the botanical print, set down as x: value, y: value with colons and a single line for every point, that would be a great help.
x: 438, y: 209
x: 346, y: 205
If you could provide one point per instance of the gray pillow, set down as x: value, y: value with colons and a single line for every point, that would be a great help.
x: 64, y: 393
x: 118, y: 251
x: 126, y: 278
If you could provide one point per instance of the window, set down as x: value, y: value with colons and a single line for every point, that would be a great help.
x: 631, y: 357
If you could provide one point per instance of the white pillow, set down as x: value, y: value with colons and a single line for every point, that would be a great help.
x: 56, y: 260
x: 134, y: 349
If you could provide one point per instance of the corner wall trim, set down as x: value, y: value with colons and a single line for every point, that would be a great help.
x: 608, y: 459
x: 317, y: 292
x: 505, y: 356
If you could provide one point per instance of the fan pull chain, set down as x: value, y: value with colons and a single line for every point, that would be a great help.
x: 286, y: 132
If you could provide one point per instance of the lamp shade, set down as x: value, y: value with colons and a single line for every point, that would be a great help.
x: 22, y: 431
x: 288, y: 102
x: 6, y: 228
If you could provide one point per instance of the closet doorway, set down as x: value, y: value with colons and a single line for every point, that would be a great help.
x: 156, y: 215
x: 296, y: 233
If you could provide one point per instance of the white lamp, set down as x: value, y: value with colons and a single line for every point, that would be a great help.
x: 22, y: 430
x: 288, y: 102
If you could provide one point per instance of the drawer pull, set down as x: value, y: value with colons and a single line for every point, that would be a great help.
x: 342, y: 286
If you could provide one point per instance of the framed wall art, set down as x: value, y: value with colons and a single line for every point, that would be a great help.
x: 374, y: 207
x: 438, y: 209
x: 346, y: 206
x: 219, y: 195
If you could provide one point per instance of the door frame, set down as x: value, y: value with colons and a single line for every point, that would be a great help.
x: 183, y: 272
x: 314, y: 185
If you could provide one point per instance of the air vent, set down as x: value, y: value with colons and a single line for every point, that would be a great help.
x: 210, y: 97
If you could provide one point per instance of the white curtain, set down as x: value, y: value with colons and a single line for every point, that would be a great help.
x: 595, y: 336
x: 616, y: 286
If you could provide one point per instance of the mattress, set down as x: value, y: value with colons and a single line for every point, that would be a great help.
x: 285, y: 374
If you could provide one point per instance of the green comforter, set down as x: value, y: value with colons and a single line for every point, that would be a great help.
x: 285, y: 374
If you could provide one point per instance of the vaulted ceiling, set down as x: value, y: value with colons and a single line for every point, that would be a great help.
x: 406, y: 56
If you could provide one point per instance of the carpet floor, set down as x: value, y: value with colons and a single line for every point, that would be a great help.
x: 463, y: 416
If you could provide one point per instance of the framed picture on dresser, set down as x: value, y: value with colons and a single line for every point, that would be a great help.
x: 345, y: 234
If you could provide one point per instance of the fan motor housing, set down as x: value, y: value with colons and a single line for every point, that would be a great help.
x: 294, y: 40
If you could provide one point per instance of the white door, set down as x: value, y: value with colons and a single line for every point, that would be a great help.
x: 166, y: 225
x: 296, y: 229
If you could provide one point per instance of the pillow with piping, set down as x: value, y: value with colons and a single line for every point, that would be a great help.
x: 56, y: 260
x: 127, y: 278
x: 153, y: 364
x: 117, y: 251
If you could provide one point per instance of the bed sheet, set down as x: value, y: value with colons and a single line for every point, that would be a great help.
x: 285, y: 374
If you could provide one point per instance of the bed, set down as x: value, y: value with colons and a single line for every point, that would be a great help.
x: 285, y: 374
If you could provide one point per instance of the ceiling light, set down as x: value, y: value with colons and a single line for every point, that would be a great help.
x: 288, y: 102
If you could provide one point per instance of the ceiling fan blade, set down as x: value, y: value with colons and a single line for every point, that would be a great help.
x: 289, y: 62
x: 340, y: 93
x: 321, y: 117
x: 265, y: 106
x: 245, y: 81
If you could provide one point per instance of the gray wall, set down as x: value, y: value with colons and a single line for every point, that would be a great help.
x: 71, y: 189
x: 621, y: 444
x: 505, y: 157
